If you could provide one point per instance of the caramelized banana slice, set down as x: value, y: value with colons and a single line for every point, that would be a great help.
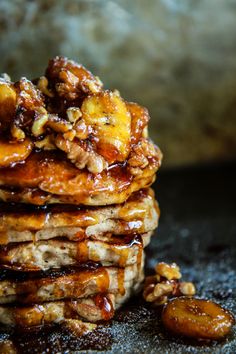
x: 7, y: 104
x: 199, y: 319
x: 14, y: 152
x: 110, y: 119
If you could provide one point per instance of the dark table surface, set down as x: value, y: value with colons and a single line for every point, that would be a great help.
x: 197, y: 231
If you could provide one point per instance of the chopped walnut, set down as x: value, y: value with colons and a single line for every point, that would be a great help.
x: 82, y: 129
x: 140, y: 155
x: 80, y: 156
x: 168, y: 271
x: 165, y: 283
x: 17, y: 133
x: 43, y: 86
x: 39, y: 123
x: 73, y: 114
x: 187, y: 288
x: 47, y: 143
x: 78, y: 327
x: 29, y: 98
x: 71, y: 80
x: 70, y: 135
x: 57, y: 124
x: 137, y: 162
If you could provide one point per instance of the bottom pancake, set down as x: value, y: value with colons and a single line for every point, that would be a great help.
x: 97, y: 307
x: 100, y: 307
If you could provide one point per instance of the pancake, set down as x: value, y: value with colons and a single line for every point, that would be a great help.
x: 20, y: 223
x: 69, y: 285
x: 58, y: 311
x: 47, y: 177
x: 93, y: 309
x: 43, y: 255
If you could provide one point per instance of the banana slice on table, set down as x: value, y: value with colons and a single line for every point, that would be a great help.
x: 196, y: 318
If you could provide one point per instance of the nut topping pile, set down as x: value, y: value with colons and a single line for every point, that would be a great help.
x: 166, y: 283
x: 67, y: 109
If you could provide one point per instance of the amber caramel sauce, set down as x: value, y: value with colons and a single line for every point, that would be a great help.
x: 139, y: 242
x: 105, y: 305
x: 121, y: 246
x: 139, y: 120
x: 3, y: 237
x: 123, y: 255
x: 82, y: 251
x: 129, y: 211
x: 12, y: 152
x: 21, y: 222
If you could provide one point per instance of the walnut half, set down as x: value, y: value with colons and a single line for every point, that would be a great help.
x: 165, y: 283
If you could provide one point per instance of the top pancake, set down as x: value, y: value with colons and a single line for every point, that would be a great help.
x: 64, y: 139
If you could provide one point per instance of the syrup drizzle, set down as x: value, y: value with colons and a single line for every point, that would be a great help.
x: 105, y: 304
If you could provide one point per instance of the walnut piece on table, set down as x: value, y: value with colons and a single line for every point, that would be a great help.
x: 166, y: 283
x: 78, y: 327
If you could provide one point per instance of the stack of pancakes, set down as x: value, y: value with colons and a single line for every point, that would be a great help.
x: 76, y: 209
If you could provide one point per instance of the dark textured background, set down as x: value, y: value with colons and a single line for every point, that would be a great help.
x: 197, y: 231
x: 177, y: 57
